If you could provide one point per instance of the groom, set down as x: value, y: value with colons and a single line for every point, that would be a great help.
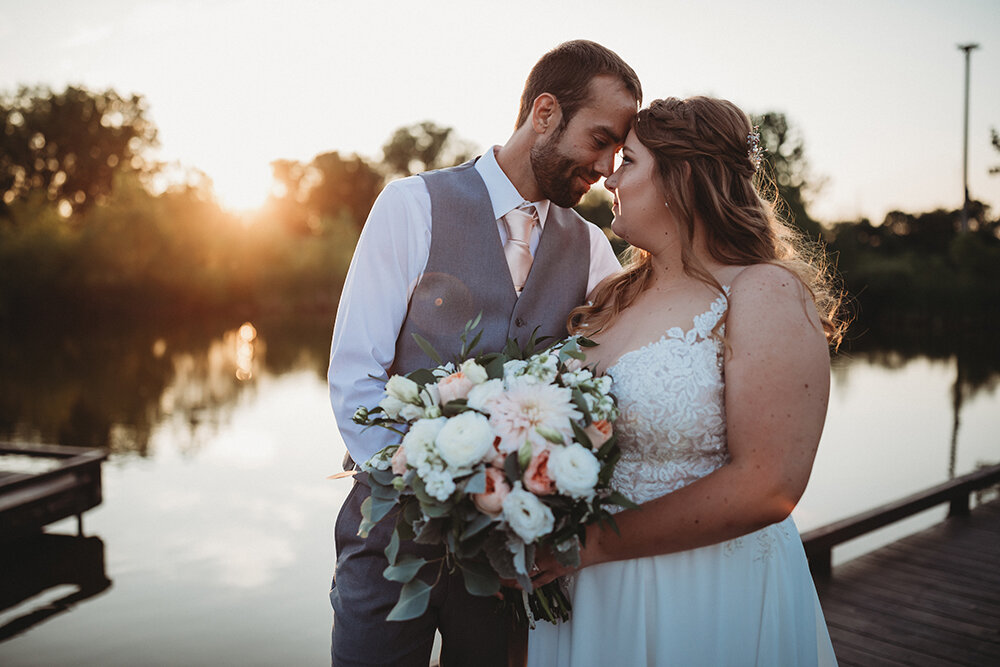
x: 495, y: 235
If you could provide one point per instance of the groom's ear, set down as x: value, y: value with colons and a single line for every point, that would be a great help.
x: 546, y: 114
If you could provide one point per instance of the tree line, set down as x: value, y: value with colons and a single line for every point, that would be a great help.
x: 87, y: 228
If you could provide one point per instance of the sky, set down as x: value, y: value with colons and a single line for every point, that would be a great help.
x: 876, y: 88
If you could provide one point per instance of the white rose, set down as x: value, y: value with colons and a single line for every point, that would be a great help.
x: 474, y: 372
x: 574, y: 469
x: 465, y: 440
x: 403, y: 388
x: 391, y: 406
x: 482, y: 395
x: 526, y: 515
x: 439, y: 484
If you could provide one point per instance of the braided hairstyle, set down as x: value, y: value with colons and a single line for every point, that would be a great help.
x: 706, y: 174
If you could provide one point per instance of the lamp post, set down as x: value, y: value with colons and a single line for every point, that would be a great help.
x: 965, y: 140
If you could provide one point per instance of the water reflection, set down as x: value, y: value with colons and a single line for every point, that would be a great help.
x: 975, y: 357
x: 109, y: 386
x: 45, y: 564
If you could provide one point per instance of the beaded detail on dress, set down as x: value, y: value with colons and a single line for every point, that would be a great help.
x: 672, y: 427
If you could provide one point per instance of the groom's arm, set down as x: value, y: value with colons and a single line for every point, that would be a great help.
x: 389, y: 258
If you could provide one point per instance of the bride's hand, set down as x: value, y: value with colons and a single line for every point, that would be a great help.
x: 548, y: 568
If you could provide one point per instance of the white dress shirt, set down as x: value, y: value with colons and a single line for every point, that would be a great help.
x: 387, y: 265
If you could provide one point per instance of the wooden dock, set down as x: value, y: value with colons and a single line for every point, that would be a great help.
x: 68, y: 484
x: 932, y: 598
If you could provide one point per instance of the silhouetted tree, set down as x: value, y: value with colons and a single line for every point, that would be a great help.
x: 787, y: 165
x: 995, y: 140
x: 70, y: 144
x: 331, y: 188
x: 424, y: 146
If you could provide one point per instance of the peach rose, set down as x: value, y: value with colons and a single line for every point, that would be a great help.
x: 399, y: 461
x: 454, y: 386
x: 536, y: 477
x: 491, y: 501
x: 598, y: 432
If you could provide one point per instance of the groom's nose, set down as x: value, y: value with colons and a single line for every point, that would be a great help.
x: 605, y: 164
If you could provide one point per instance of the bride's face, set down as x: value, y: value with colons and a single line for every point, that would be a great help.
x: 641, y: 214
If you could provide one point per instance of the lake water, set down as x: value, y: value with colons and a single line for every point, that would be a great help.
x: 214, y: 541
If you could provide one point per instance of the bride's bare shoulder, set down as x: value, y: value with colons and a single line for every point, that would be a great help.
x: 767, y: 281
x: 770, y: 298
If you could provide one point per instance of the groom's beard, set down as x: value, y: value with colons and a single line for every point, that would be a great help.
x: 558, y: 176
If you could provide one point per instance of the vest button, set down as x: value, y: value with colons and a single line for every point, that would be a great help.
x: 519, y: 322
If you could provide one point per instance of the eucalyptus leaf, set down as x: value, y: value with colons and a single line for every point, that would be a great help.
x: 479, y: 578
x: 427, y: 348
x: 381, y: 478
x: 476, y: 483
x: 431, y: 532
x: 477, y: 525
x: 512, y: 467
x: 366, y: 524
x: 405, y: 569
x: 413, y: 599
x: 494, y: 367
x: 380, y: 507
x: 581, y: 403
x: 581, y: 436
x: 422, y: 376
x: 392, y: 549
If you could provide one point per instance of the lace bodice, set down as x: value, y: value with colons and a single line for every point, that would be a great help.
x: 672, y: 427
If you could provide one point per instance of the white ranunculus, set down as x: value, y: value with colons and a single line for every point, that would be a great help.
x: 439, y: 484
x: 526, y: 514
x: 465, y: 440
x: 474, y: 372
x: 421, y: 453
x: 391, y: 406
x: 574, y: 469
x: 482, y: 395
x: 403, y: 388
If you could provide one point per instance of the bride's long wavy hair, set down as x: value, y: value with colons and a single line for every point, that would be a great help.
x: 722, y: 185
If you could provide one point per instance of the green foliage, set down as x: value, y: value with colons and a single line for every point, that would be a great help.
x: 919, y: 272
x: 331, y: 190
x: 70, y: 145
x: 786, y: 165
x: 416, y: 148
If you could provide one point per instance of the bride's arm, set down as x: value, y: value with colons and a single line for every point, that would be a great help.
x: 777, y: 375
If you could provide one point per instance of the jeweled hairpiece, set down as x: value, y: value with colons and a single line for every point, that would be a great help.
x: 754, y: 150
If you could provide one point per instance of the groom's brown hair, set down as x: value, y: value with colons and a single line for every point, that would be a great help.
x: 566, y: 72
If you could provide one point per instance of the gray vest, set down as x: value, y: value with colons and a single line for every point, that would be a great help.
x: 467, y: 273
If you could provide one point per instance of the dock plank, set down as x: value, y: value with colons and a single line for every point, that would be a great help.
x: 932, y: 598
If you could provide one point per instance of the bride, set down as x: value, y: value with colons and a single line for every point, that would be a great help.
x: 715, y: 336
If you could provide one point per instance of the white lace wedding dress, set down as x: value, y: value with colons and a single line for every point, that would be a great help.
x: 748, y: 601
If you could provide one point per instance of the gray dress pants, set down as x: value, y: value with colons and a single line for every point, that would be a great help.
x: 474, y: 630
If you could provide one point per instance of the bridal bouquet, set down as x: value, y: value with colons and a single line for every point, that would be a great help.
x: 499, y: 454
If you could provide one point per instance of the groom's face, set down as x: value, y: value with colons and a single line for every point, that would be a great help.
x: 572, y: 157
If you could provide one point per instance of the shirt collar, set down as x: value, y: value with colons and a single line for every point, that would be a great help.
x: 503, y: 195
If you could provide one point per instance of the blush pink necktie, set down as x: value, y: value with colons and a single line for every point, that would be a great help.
x: 519, y: 223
